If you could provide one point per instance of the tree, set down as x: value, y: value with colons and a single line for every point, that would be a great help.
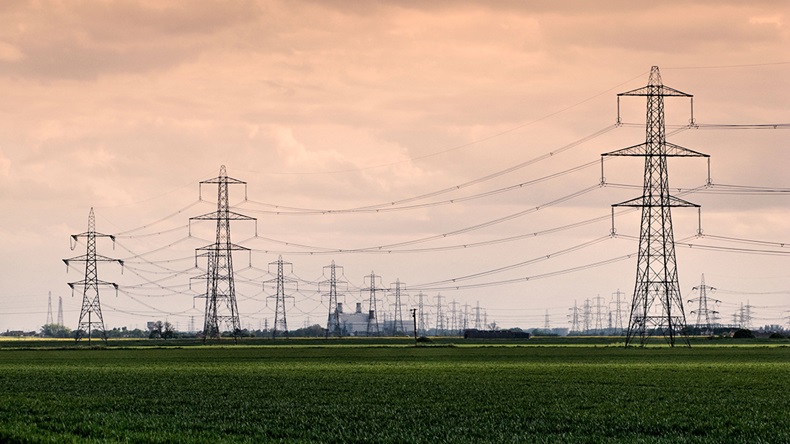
x: 55, y: 331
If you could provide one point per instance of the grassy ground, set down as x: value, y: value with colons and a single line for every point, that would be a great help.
x: 374, y: 392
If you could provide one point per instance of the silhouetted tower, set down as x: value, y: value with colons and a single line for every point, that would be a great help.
x: 465, y: 324
x: 398, y: 327
x: 454, y: 317
x: 439, y: 315
x: 90, y: 313
x: 546, y: 321
x: 280, y: 319
x: 586, y: 316
x: 333, y: 326
x: 598, y: 314
x: 477, y: 317
x: 574, y: 317
x: 221, y: 307
x: 372, y: 289
x: 617, y: 300
x: 703, y: 312
x: 656, y: 276
x: 49, y: 309
x: 60, y: 310
x: 421, y: 313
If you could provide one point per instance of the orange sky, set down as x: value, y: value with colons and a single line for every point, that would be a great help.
x: 125, y: 106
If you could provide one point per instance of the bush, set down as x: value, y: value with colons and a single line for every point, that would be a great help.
x: 743, y: 333
x: 777, y: 336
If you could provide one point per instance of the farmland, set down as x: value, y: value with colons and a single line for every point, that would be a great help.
x: 296, y: 392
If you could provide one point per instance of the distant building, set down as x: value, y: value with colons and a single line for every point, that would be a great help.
x: 495, y: 334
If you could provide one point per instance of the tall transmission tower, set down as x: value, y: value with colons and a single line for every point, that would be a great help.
x: 465, y: 324
x: 397, y: 326
x: 574, y: 317
x: 90, y: 313
x: 60, y: 310
x: 703, y: 312
x: 221, y: 307
x: 477, y: 317
x: 280, y: 320
x: 599, y: 314
x: 439, y: 316
x: 586, y: 316
x: 617, y: 301
x: 372, y: 289
x: 333, y: 326
x: 656, y: 276
x: 546, y: 321
x: 454, y: 317
x: 421, y: 310
x: 49, y: 309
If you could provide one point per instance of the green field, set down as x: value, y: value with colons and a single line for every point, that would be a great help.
x: 363, y: 392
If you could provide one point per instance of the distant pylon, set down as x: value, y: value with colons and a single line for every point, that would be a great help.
x: 599, y: 314
x: 333, y: 326
x: 477, y: 317
x: 398, y: 327
x: 90, y: 313
x: 546, y: 321
x: 656, y: 276
x: 221, y: 307
x: 372, y: 289
x: 618, y: 302
x: 439, y: 316
x: 280, y: 320
x: 421, y: 313
x: 49, y: 309
x: 703, y: 312
x: 574, y: 317
x: 60, y: 310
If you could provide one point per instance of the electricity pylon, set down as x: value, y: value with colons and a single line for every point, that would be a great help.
x: 221, y: 307
x: 333, y: 326
x: 49, y: 309
x: 397, y: 326
x: 90, y: 313
x: 656, y: 275
x: 280, y: 321
x: 60, y: 310
x: 373, y: 323
x: 421, y: 309
x: 703, y: 312
x: 617, y: 325
x: 574, y: 317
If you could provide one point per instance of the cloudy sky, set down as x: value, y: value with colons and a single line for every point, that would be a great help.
x: 331, y: 105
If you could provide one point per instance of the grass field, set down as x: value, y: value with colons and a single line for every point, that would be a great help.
x: 368, y: 392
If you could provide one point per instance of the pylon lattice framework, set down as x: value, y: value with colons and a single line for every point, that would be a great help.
x: 221, y: 307
x: 397, y: 326
x: 90, y: 313
x: 373, y: 323
x: 280, y: 319
x: 333, y: 325
x: 656, y: 276
x: 703, y: 312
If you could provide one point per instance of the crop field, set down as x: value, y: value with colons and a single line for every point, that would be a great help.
x: 395, y: 393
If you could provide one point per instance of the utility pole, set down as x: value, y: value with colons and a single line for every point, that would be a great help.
x: 90, y: 313
x: 333, y: 318
x: 703, y: 312
x: 373, y: 323
x: 657, y: 303
x: 221, y: 306
x: 414, y: 319
x: 280, y: 320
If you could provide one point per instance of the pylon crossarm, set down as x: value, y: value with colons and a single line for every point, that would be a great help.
x: 217, y: 215
x: 636, y: 150
x: 650, y: 90
x: 673, y: 150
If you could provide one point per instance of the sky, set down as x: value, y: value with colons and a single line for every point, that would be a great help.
x: 126, y: 106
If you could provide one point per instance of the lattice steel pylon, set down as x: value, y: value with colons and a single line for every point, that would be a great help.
x: 372, y: 289
x: 333, y: 324
x: 280, y: 319
x: 703, y: 312
x: 656, y: 276
x: 397, y: 327
x: 90, y: 313
x: 221, y: 307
